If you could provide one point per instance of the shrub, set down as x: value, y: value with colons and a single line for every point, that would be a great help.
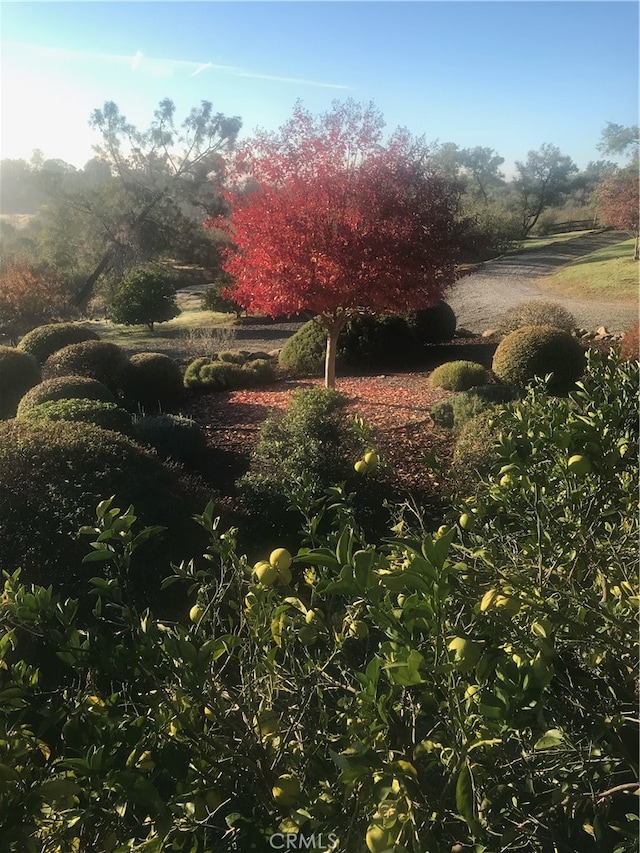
x: 630, y: 343
x: 379, y: 342
x: 51, y: 478
x: 105, y: 415
x: 458, y: 375
x: 144, y: 298
x: 538, y: 351
x: 232, y: 357
x: 99, y: 360
x: 434, y: 325
x: 215, y: 375
x: 442, y: 414
x: 19, y: 371
x: 470, y: 403
x: 475, y: 454
x: 45, y: 340
x: 535, y: 312
x: 304, y: 352
x: 153, y: 381
x: 30, y: 295
x: 65, y: 388
x: 172, y: 437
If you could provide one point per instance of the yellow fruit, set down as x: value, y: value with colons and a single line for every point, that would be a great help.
x: 266, y: 573
x: 284, y: 577
x: 579, y: 465
x: 361, y: 467
x: 195, y: 614
x: 466, y: 651
x: 371, y: 457
x: 507, y: 481
x: 286, y: 790
x: 281, y: 559
x: 378, y: 839
x: 466, y: 521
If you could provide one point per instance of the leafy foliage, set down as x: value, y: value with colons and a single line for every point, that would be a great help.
x: 30, y: 295
x: 535, y: 312
x: 153, y: 380
x: 537, y: 351
x: 469, y: 688
x: 434, y: 325
x: 172, y: 437
x: 458, y: 375
x: 630, y: 343
x: 304, y: 352
x: 19, y: 372
x: 99, y: 360
x: 540, y: 182
x: 216, y: 374
x: 45, y: 340
x: 474, y: 455
x: 618, y: 201
x: 102, y: 414
x: 64, y: 388
x: 379, y: 342
x: 143, y: 297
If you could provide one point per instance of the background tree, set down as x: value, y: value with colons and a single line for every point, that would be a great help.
x: 618, y: 200
x: 337, y: 224
x: 540, y: 182
x: 144, y: 297
x: 30, y: 296
x: 620, y: 140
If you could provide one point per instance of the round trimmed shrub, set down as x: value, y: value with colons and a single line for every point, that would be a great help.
x: 442, y: 414
x: 172, y: 437
x: 304, y: 352
x: 19, y: 372
x: 538, y: 351
x: 232, y: 356
x: 474, y: 455
x: 153, y: 380
x: 481, y: 398
x: 52, y: 477
x: 434, y: 325
x: 99, y: 360
x: 65, y: 388
x: 45, y: 340
x: 105, y: 415
x: 535, y: 312
x: 458, y: 375
x: 379, y: 342
x: 262, y: 370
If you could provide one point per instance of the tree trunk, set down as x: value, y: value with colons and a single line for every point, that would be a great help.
x: 87, y: 288
x: 636, y: 253
x: 334, y: 325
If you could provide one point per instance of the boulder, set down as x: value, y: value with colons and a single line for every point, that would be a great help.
x: 602, y: 330
x: 489, y: 333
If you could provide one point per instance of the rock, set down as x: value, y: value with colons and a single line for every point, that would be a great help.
x: 259, y: 354
x: 489, y: 333
x: 464, y: 333
x: 602, y: 330
x: 581, y: 332
x: 274, y: 353
x: 589, y: 336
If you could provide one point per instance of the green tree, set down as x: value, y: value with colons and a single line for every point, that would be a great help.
x: 540, y: 182
x: 143, y: 297
x: 620, y: 140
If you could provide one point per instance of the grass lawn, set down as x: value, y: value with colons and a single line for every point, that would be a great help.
x: 609, y: 273
x: 539, y: 242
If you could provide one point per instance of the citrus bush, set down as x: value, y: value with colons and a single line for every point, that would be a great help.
x: 19, y: 372
x: 538, y: 351
x: 458, y: 375
x: 153, y: 381
x: 105, y: 415
x: 535, y: 312
x: 45, y: 340
x: 434, y: 325
x: 468, y: 689
x: 99, y: 360
x: 64, y: 388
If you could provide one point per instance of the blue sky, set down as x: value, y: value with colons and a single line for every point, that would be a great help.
x: 506, y: 75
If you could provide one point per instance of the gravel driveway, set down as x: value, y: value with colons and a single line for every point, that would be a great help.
x: 479, y: 299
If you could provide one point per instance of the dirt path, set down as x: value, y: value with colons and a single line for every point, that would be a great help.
x: 480, y: 298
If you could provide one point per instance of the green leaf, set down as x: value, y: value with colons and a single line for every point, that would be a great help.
x: 465, y: 800
x: 101, y: 556
x: 549, y: 740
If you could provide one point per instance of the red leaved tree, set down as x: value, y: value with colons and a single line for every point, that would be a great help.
x: 29, y: 297
x: 327, y: 220
x: 618, y: 203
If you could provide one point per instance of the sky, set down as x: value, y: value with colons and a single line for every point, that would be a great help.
x: 505, y: 75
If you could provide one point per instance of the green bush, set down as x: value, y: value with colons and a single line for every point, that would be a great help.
x: 468, y: 404
x: 304, y: 352
x: 105, y: 415
x: 99, y: 360
x: 379, y: 343
x: 458, y: 375
x: 19, y: 372
x: 144, y: 297
x: 537, y: 351
x: 475, y: 455
x: 52, y: 474
x: 45, y: 340
x: 65, y: 388
x: 153, y: 381
x: 232, y: 357
x: 535, y: 312
x: 224, y: 375
x: 442, y: 414
x: 172, y: 437
x: 435, y: 325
